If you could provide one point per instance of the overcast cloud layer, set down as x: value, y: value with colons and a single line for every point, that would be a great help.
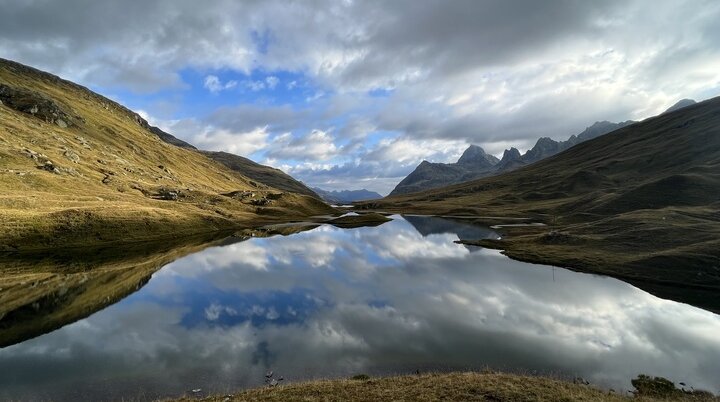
x: 349, y: 94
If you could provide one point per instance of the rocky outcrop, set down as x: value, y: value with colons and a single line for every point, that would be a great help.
x: 34, y: 104
x: 511, y: 159
x: 477, y: 158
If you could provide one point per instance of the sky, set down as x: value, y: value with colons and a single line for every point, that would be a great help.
x: 346, y: 94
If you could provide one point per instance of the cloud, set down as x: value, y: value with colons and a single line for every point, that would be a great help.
x: 272, y: 82
x: 247, y: 117
x: 316, y: 146
x: 460, y: 72
x: 255, y: 85
x: 212, y: 83
x: 212, y: 138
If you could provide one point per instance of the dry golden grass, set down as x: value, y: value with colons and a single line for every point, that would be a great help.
x: 438, y: 387
x: 109, y: 175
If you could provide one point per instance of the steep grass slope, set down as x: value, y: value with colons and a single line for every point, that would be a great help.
x: 264, y: 174
x: 77, y: 168
x: 641, y: 203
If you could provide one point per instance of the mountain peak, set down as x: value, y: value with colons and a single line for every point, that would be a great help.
x: 680, y: 104
x: 511, y: 154
x: 599, y: 128
x: 474, y: 155
x: 544, y: 142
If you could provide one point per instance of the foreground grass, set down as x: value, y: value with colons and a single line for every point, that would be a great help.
x: 438, y: 387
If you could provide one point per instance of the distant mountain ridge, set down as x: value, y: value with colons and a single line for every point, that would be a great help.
x: 346, y: 196
x: 475, y: 163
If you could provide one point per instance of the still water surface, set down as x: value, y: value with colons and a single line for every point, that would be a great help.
x: 337, y: 302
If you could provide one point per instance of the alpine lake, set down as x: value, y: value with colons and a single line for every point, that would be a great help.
x: 326, y: 302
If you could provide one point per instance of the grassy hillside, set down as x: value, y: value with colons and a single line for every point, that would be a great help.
x: 455, y: 387
x: 77, y: 168
x: 264, y: 174
x: 641, y: 203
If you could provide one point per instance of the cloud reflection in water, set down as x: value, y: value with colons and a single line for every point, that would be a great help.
x: 334, y: 302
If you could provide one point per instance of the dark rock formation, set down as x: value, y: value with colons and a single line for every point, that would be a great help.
x: 34, y: 104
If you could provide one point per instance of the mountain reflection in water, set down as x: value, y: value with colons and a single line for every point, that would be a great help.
x: 335, y: 302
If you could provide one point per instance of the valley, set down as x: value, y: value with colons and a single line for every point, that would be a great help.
x: 134, y: 264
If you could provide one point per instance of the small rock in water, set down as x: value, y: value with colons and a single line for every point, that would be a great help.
x: 269, y: 374
x: 273, y: 382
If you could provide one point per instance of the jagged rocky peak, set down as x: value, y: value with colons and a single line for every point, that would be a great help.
x: 544, y: 147
x: 545, y: 143
x: 475, y: 155
x: 511, y: 154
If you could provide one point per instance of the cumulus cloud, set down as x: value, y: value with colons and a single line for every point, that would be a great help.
x: 212, y: 138
x: 255, y: 85
x: 213, y: 84
x: 272, y: 81
x: 317, y: 145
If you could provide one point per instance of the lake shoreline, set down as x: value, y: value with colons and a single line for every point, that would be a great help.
x: 594, y: 247
x: 227, y: 308
x: 533, y: 241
